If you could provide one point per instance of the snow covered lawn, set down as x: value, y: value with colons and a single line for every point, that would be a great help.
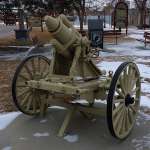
x: 7, y: 118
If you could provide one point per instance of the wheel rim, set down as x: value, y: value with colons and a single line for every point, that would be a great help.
x: 123, y: 100
x: 28, y: 100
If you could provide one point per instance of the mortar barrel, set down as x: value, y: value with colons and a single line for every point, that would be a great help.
x: 51, y: 23
x: 60, y: 31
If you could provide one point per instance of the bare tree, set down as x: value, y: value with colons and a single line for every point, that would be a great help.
x: 141, y: 5
x: 79, y: 6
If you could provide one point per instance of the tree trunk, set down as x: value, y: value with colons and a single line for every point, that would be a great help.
x: 142, y: 17
x: 81, y: 19
x: 141, y: 5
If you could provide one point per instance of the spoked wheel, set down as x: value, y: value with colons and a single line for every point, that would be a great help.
x: 123, y: 100
x: 26, y: 99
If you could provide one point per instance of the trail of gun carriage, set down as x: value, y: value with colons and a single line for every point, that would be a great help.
x: 75, y: 73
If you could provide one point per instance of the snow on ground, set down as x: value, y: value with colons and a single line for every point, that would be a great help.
x: 105, y: 65
x: 134, y: 48
x: 7, y: 148
x: 146, y: 87
x: 137, y: 34
x: 57, y: 107
x: 23, y: 138
x: 6, y: 119
x: 145, y: 101
x: 108, y: 66
x: 71, y: 138
x: 38, y: 135
x: 142, y: 143
x: 43, y: 121
x: 144, y: 116
x: 141, y: 60
x: 144, y: 70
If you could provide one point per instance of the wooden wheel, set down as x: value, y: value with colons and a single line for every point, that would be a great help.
x: 123, y: 100
x: 26, y: 99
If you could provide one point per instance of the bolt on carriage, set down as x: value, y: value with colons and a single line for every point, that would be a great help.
x: 71, y: 76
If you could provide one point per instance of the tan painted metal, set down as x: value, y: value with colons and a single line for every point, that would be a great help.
x: 71, y: 76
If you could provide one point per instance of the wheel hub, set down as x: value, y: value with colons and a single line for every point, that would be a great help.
x: 129, y: 100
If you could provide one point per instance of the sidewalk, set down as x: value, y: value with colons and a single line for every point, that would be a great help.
x: 29, y: 133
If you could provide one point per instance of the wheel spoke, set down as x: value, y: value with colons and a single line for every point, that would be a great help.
x: 121, y: 81
x: 21, y: 84
x: 133, y: 84
x: 135, y: 90
x: 131, y: 116
x: 118, y: 129
x: 23, y: 77
x: 45, y: 75
x: 127, y: 120
x: 121, y: 94
x: 39, y: 64
x: 123, y: 123
x: 128, y: 79
x: 29, y: 104
x: 116, y: 119
x: 118, y: 109
x: 44, y: 68
x: 125, y: 83
x: 131, y: 75
x: 23, y: 92
x: 132, y: 108
x: 130, y: 72
x: 28, y: 71
x: 118, y: 101
x: 33, y: 66
x: 25, y: 100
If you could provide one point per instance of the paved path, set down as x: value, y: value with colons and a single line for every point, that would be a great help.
x: 28, y: 133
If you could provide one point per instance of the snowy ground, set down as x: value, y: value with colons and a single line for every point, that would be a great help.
x: 130, y: 51
x: 23, y: 132
x: 137, y: 34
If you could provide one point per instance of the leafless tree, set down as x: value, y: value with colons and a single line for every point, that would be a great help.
x: 80, y: 9
x: 81, y: 5
x: 141, y: 5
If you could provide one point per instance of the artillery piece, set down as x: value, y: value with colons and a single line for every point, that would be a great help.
x: 71, y: 76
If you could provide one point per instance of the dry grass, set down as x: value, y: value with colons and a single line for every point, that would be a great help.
x: 120, y: 39
x: 7, y: 69
x: 43, y: 37
x: 35, y: 34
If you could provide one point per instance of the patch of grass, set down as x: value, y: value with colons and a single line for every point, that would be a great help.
x: 120, y: 39
x: 36, y: 35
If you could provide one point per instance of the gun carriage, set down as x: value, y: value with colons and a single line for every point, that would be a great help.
x: 71, y: 76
